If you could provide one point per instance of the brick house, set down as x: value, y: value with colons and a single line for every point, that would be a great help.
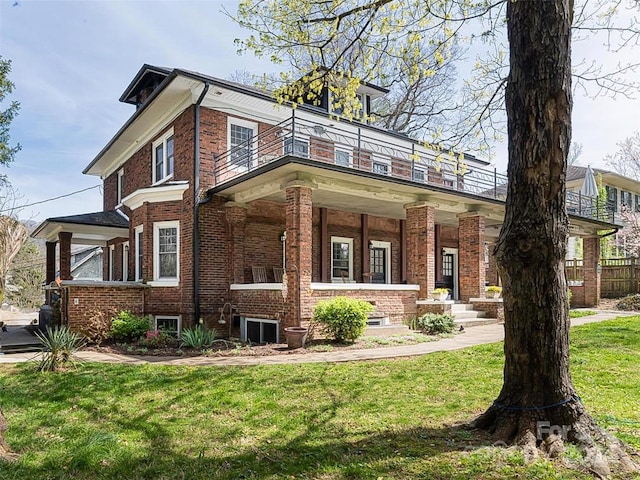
x: 221, y: 204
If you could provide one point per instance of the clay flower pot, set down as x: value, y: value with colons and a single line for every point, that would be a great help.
x: 296, y: 336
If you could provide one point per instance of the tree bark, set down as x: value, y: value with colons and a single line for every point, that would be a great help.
x: 531, y: 248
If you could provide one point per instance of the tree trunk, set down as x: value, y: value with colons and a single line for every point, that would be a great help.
x: 531, y: 248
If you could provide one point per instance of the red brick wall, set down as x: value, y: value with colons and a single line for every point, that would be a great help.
x: 107, y: 300
x: 577, y: 299
x: 420, y: 248
x: 591, y: 255
x: 493, y: 309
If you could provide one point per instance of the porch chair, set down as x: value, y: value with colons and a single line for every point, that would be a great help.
x: 259, y: 274
x: 277, y: 274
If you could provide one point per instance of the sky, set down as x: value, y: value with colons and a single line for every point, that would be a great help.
x: 71, y: 61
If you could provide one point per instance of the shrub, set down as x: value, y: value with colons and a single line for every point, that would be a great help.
x: 632, y: 302
x: 342, y: 318
x: 97, y: 326
x: 435, y: 323
x: 58, y: 346
x: 197, y: 337
x: 157, y: 339
x: 127, y: 327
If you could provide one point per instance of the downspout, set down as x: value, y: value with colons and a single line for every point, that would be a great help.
x: 196, y: 205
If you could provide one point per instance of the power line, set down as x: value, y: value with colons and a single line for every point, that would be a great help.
x: 50, y: 199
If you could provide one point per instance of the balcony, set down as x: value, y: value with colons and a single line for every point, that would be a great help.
x: 350, y: 147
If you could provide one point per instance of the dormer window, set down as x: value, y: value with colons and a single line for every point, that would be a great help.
x: 358, y: 113
x: 163, y: 157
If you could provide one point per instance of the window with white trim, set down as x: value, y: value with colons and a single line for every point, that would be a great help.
x: 166, y: 251
x: 112, y: 249
x: 358, y: 112
x: 120, y: 185
x: 241, y: 142
x: 259, y: 330
x: 171, y: 324
x: 341, y: 259
x: 381, y: 166
x: 125, y: 261
x: 163, y: 157
x: 342, y: 157
x: 419, y: 175
x: 138, y: 237
x: 298, y: 147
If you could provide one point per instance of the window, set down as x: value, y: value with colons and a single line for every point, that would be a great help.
x: 166, y: 248
x: 171, y: 324
x: 341, y: 259
x: 637, y: 203
x: 163, y: 157
x: 381, y: 167
x: 259, y: 330
x: 343, y: 158
x: 139, y: 252
x: 612, y: 198
x: 120, y: 186
x: 112, y: 250
x: 625, y: 198
x: 125, y: 261
x: 297, y: 147
x: 418, y: 175
x: 242, y: 143
x: 358, y: 111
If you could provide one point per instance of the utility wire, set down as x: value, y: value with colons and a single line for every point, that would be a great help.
x: 50, y: 199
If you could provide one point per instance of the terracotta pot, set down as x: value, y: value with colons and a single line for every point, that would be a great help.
x: 296, y: 336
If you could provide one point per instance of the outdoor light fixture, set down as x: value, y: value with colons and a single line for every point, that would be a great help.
x: 283, y: 236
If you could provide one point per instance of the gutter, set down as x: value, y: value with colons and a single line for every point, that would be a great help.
x: 196, y: 205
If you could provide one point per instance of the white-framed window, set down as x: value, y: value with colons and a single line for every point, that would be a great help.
x: 358, y: 113
x: 112, y: 250
x: 341, y: 259
x: 120, y: 186
x: 259, y: 330
x: 125, y: 261
x: 166, y: 252
x: 343, y: 157
x: 138, y: 238
x: 171, y: 324
x: 381, y: 166
x: 298, y: 147
x: 241, y: 139
x: 419, y: 175
x: 163, y: 157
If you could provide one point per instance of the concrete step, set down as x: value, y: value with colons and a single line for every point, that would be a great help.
x: 385, y: 330
x: 461, y: 307
x: 469, y: 314
x: 474, y: 322
x: 21, y: 348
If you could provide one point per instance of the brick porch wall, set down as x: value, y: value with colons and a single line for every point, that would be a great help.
x: 472, y: 267
x: 591, y: 257
x: 421, y: 248
x: 577, y: 299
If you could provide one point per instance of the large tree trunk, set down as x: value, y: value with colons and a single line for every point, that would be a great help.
x: 531, y: 249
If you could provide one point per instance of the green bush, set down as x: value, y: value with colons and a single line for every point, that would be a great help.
x: 127, y: 327
x: 197, y: 337
x: 342, y: 318
x: 58, y: 346
x: 435, y: 323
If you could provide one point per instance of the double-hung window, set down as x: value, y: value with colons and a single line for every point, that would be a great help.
x: 341, y: 259
x: 166, y: 252
x: 342, y: 157
x: 241, y: 143
x: 139, y: 253
x: 612, y: 197
x: 163, y: 157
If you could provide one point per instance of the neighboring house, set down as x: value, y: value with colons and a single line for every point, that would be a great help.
x: 86, y: 263
x: 622, y: 192
x: 221, y: 204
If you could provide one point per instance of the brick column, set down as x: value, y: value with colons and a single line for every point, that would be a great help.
x: 421, y: 247
x: 50, y: 275
x: 299, y: 223
x: 65, y: 255
x: 471, y: 272
x: 591, y: 256
x: 236, y: 215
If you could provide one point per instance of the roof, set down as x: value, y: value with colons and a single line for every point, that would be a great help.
x: 87, y: 229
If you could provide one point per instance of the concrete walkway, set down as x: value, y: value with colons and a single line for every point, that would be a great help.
x: 472, y: 336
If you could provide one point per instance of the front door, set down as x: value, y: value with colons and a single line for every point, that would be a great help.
x: 450, y: 270
x: 378, y: 265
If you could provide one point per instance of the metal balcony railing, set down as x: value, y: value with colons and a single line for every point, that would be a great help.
x: 354, y: 147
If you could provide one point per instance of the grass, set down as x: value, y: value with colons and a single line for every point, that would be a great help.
x: 382, y: 419
x: 580, y: 313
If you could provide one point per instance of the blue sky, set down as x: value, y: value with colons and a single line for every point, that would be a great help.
x: 71, y: 61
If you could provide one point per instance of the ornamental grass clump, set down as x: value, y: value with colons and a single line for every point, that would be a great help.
x: 58, y: 348
x: 342, y: 318
x: 197, y: 337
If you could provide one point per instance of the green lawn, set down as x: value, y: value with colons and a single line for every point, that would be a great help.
x: 383, y: 419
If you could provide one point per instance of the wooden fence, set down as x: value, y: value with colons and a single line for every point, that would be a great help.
x: 620, y: 276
